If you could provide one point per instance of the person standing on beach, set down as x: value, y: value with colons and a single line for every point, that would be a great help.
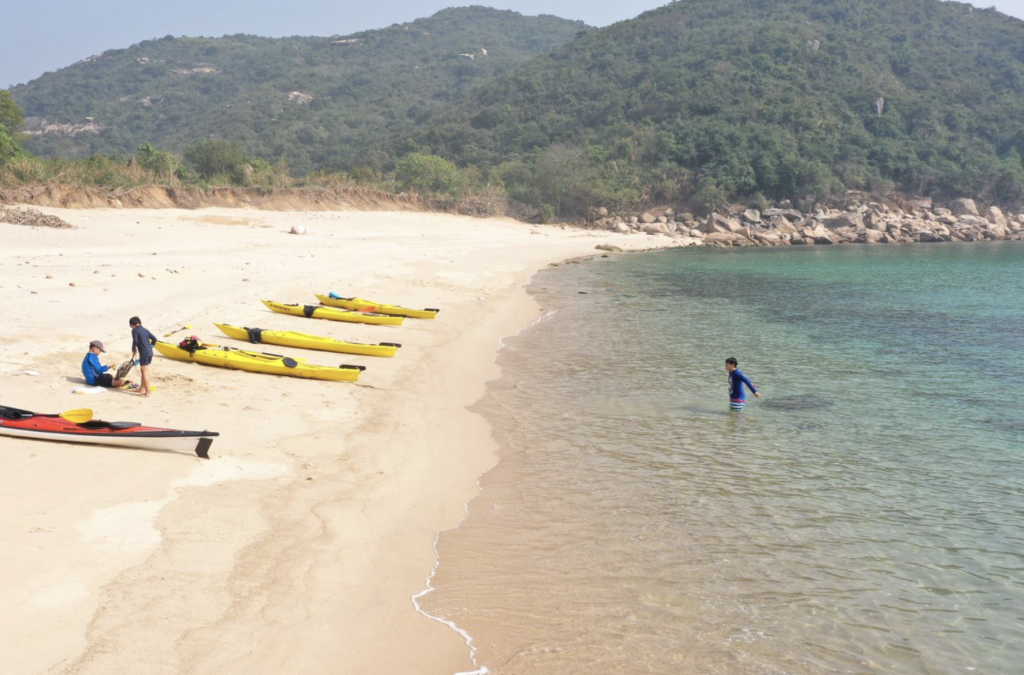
x: 142, y: 343
x: 737, y: 396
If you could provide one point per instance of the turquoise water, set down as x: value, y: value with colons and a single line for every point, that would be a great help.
x: 865, y: 516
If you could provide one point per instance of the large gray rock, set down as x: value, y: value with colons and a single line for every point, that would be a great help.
x: 850, y: 219
x: 874, y: 221
x: 752, y: 216
x: 948, y: 220
x: 656, y: 228
x: 622, y: 227
x: 729, y: 224
x: 973, y: 221
x: 995, y: 216
x: 805, y: 205
x: 814, y: 231
x: 791, y: 214
x: 782, y: 225
x: 722, y: 238
x: 964, y: 207
x: 647, y: 218
x: 872, y: 236
x: 847, y: 234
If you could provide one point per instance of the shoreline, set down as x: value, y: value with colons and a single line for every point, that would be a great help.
x: 301, y: 542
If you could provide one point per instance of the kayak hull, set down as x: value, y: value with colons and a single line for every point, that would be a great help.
x: 98, y: 432
x: 257, y: 362
x: 306, y: 341
x: 332, y: 314
x: 364, y: 305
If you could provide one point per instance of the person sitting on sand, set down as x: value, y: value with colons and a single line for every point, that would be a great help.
x: 96, y: 374
x: 142, y: 343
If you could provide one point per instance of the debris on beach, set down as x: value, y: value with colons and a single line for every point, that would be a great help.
x: 33, y: 218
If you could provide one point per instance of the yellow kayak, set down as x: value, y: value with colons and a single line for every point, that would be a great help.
x: 364, y: 305
x: 256, y: 362
x: 306, y: 341
x: 315, y: 312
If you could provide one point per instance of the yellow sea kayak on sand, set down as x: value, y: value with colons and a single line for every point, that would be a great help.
x: 256, y: 362
x: 331, y: 314
x: 305, y: 341
x: 364, y: 305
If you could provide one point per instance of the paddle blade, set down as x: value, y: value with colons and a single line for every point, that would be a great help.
x: 178, y: 330
x: 78, y: 416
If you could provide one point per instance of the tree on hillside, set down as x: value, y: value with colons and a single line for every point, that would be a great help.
x: 162, y: 163
x: 11, y: 117
x: 10, y: 124
x: 563, y: 178
x: 9, y: 148
x: 216, y: 158
x: 427, y: 173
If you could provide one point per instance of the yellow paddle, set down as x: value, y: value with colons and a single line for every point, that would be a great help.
x: 177, y: 330
x: 77, y: 416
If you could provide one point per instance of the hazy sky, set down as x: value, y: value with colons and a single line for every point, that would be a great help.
x: 57, y: 33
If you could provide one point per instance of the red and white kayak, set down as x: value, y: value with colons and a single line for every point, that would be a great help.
x: 25, y: 424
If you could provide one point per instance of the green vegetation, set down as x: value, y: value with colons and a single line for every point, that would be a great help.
x: 10, y: 124
x: 427, y: 173
x: 11, y: 116
x: 794, y: 98
x: 253, y: 91
x: 699, y: 102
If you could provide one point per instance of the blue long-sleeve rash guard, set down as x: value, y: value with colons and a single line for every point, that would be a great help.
x: 736, y: 382
x: 92, y: 369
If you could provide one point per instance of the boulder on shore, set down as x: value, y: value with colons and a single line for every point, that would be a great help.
x: 850, y: 219
x: 964, y: 207
x: 995, y: 216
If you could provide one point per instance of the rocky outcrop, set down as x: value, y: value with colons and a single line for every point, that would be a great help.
x: 862, y: 223
x: 299, y: 97
x: 35, y: 126
x: 964, y: 207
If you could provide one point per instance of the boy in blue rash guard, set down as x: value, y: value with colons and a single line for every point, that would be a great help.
x: 142, y: 343
x: 737, y: 397
x: 96, y: 374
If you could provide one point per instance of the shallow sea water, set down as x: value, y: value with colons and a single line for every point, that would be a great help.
x: 865, y: 516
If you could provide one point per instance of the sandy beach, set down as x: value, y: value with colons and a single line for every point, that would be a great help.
x: 298, y: 546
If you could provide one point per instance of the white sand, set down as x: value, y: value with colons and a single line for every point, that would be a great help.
x: 296, y: 549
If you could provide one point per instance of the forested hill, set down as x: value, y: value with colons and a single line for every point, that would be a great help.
x: 779, y: 97
x: 314, y: 101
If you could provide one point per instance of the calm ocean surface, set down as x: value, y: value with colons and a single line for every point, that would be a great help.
x: 865, y: 516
